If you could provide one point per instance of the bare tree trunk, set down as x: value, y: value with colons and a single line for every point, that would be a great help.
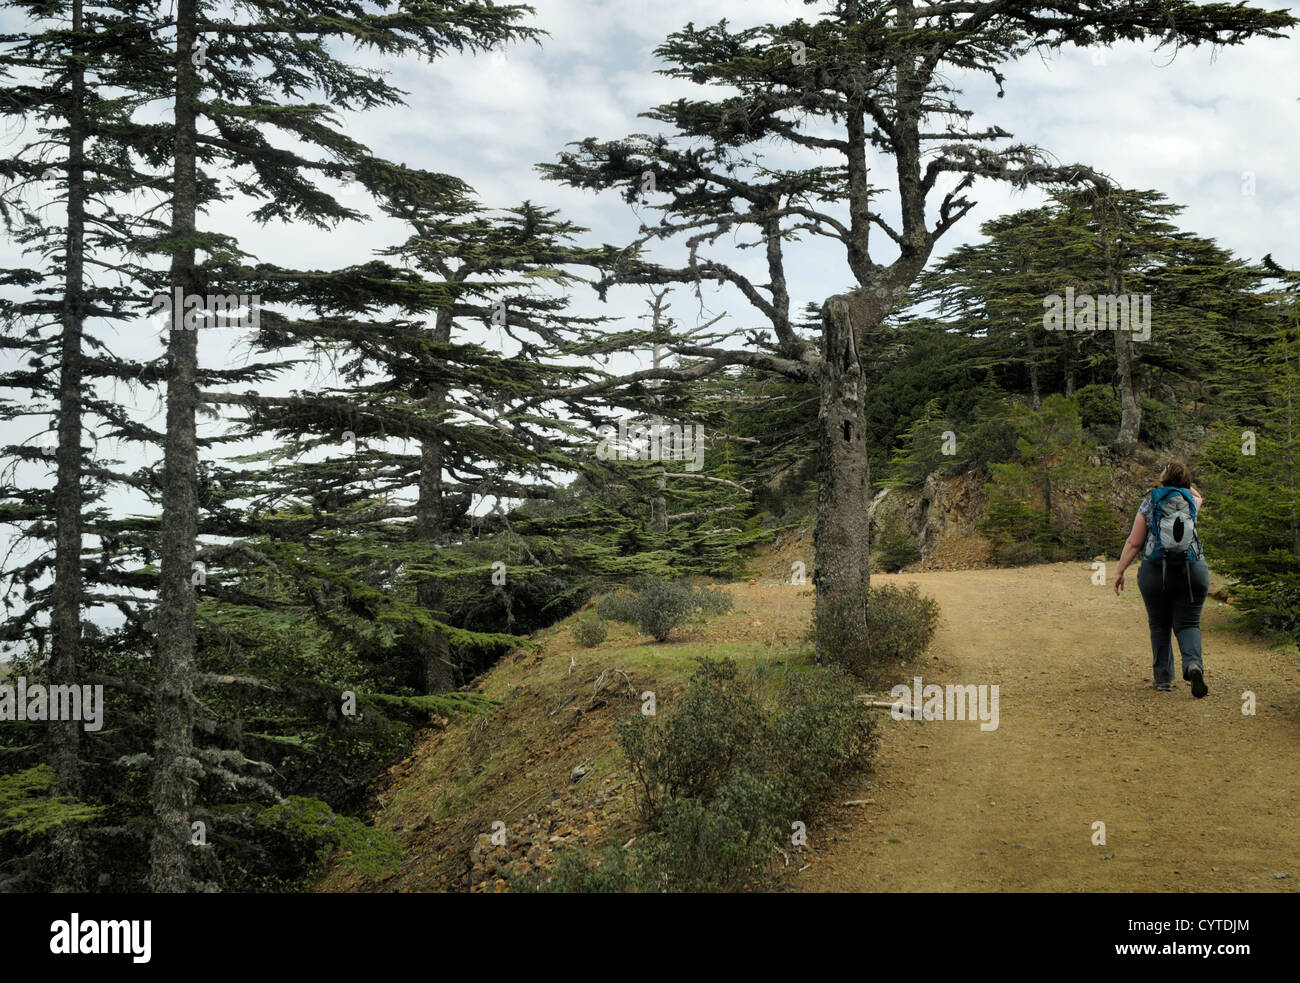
x: 439, y: 671
x: 1068, y: 367
x: 175, y: 770
x: 659, y: 503
x: 1034, y: 392
x: 65, y: 758
x: 841, y: 534
x: 1130, y: 408
x: 1290, y: 447
x: 659, y: 506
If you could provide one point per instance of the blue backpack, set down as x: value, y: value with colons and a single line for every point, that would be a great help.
x: 1171, y: 531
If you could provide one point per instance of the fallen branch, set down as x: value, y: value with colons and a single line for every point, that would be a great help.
x: 902, y: 708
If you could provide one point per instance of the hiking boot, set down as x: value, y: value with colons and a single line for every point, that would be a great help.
x: 1197, y: 679
x: 1163, y: 687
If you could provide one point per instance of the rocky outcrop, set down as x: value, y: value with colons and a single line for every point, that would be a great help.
x: 940, y: 513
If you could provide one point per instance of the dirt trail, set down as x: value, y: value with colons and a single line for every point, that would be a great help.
x: 1194, y: 794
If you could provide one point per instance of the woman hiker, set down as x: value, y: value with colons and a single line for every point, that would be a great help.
x: 1173, y: 577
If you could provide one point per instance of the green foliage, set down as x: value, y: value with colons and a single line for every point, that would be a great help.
x: 714, y: 600
x: 722, y: 780
x: 1251, y: 528
x: 660, y: 606
x: 921, y: 450
x: 1099, y: 410
x: 576, y: 872
x: 590, y: 631
x: 1025, y: 520
x: 319, y: 831
x: 1159, y: 425
x: 690, y: 753
x: 726, y: 844
x: 619, y: 605
x: 894, y: 547
x: 990, y: 435
x: 899, y: 624
x: 27, y: 809
x: 436, y: 702
x: 1014, y: 527
x: 819, y: 737
x: 1099, y: 531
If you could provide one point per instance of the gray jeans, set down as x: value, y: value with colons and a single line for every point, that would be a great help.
x: 1170, y: 606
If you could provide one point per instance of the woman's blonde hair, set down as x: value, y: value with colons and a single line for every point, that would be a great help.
x: 1176, y: 475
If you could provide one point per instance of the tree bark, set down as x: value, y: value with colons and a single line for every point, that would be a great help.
x: 659, y: 505
x: 175, y: 769
x: 439, y: 670
x: 1130, y: 407
x: 1034, y: 392
x: 65, y: 758
x: 840, y: 537
x: 1068, y: 359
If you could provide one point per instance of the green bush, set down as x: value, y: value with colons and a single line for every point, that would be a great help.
x: 920, y: 452
x: 1099, y: 409
x: 1016, y: 529
x: 1159, y: 424
x: 317, y: 829
x: 900, y: 622
x: 992, y: 435
x: 1100, y: 529
x: 660, y: 606
x: 617, y: 606
x: 819, y: 736
x: 575, y: 872
x: 590, y: 631
x: 895, y: 546
x: 689, y: 754
x: 726, y: 845
x: 889, y: 624
x: 1018, y: 554
x: 714, y: 600
x: 723, y: 779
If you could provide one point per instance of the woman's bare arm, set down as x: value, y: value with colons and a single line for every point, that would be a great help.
x: 1136, y: 537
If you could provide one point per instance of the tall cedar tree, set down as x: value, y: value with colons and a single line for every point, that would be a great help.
x: 1203, y: 301
x: 1252, y: 472
x: 873, y: 74
x: 75, y: 77
x: 246, y: 80
x: 416, y: 345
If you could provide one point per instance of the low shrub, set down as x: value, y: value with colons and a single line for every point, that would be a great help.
x: 1159, y: 424
x: 1099, y: 409
x: 659, y: 606
x: 900, y: 622
x: 590, y: 631
x: 722, y: 780
x: 895, y: 547
x: 889, y: 624
x: 714, y: 600
x: 617, y: 606
x: 1100, y: 529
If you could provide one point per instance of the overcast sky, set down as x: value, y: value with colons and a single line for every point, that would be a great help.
x: 1215, y: 131
x: 1191, y: 124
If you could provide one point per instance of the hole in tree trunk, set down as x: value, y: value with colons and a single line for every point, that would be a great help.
x: 848, y: 430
